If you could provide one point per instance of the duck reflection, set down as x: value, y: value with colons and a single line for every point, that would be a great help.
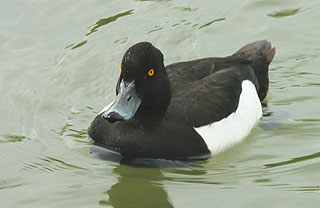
x: 137, y: 187
x: 116, y: 157
x: 140, y: 181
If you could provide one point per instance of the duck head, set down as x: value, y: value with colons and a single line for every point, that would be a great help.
x: 143, y: 88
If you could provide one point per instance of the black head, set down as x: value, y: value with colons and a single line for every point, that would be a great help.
x: 142, y: 66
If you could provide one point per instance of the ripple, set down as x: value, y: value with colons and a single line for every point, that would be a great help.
x: 11, y: 184
x: 68, y: 129
x: 186, y: 9
x: 94, y: 28
x: 121, y: 40
x: 293, y: 160
x: 284, y: 13
x: 294, y: 188
x: 50, y: 164
x: 79, y: 44
x: 263, y: 180
x: 309, y: 188
x: 154, y: 30
x: 108, y: 20
x: 77, y: 133
x: 311, y: 120
x: 213, y: 21
x: 13, y: 138
x: 153, y: 0
x: 292, y: 100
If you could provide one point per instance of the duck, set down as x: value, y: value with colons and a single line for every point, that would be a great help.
x: 188, y: 110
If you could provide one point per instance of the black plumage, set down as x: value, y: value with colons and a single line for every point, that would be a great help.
x: 179, y: 97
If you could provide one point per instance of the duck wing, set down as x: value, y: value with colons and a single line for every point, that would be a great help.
x: 210, y: 98
x: 207, y: 90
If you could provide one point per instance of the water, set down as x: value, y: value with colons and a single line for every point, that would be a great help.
x: 59, y: 64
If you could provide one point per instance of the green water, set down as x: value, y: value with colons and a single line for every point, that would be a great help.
x: 59, y: 64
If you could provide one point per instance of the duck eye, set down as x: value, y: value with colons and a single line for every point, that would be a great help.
x: 151, y: 72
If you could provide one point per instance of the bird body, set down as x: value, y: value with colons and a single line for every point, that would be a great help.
x: 185, y: 110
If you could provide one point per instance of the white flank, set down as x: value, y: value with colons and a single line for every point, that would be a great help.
x: 233, y: 129
x: 106, y: 108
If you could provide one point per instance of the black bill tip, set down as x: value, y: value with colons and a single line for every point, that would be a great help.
x: 113, y: 117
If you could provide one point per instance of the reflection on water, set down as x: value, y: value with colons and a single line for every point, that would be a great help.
x: 105, y: 21
x: 307, y: 188
x: 49, y: 164
x: 94, y: 28
x: 77, y: 45
x: 44, y: 148
x: 157, y: 28
x: 209, y: 23
x: 121, y: 40
x: 188, y: 9
x: 285, y: 13
x: 137, y: 187
x: 294, y: 160
x: 3, y: 187
x: 115, y: 157
x: 272, y: 121
x: 12, y: 138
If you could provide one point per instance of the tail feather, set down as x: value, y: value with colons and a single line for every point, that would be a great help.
x: 256, y: 49
x: 260, y: 53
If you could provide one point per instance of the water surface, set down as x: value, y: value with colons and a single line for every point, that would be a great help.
x: 59, y: 64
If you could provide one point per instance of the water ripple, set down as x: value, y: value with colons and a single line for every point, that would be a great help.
x: 50, y: 164
x: 154, y: 30
x: 213, y: 21
x: 94, y: 28
x: 311, y: 188
x: 284, y: 13
x: 8, y: 138
x: 105, y: 21
x: 3, y: 187
x: 293, y: 160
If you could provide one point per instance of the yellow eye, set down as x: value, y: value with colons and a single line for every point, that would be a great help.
x: 120, y: 69
x: 151, y: 72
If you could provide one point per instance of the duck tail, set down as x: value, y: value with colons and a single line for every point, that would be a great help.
x: 260, y: 53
